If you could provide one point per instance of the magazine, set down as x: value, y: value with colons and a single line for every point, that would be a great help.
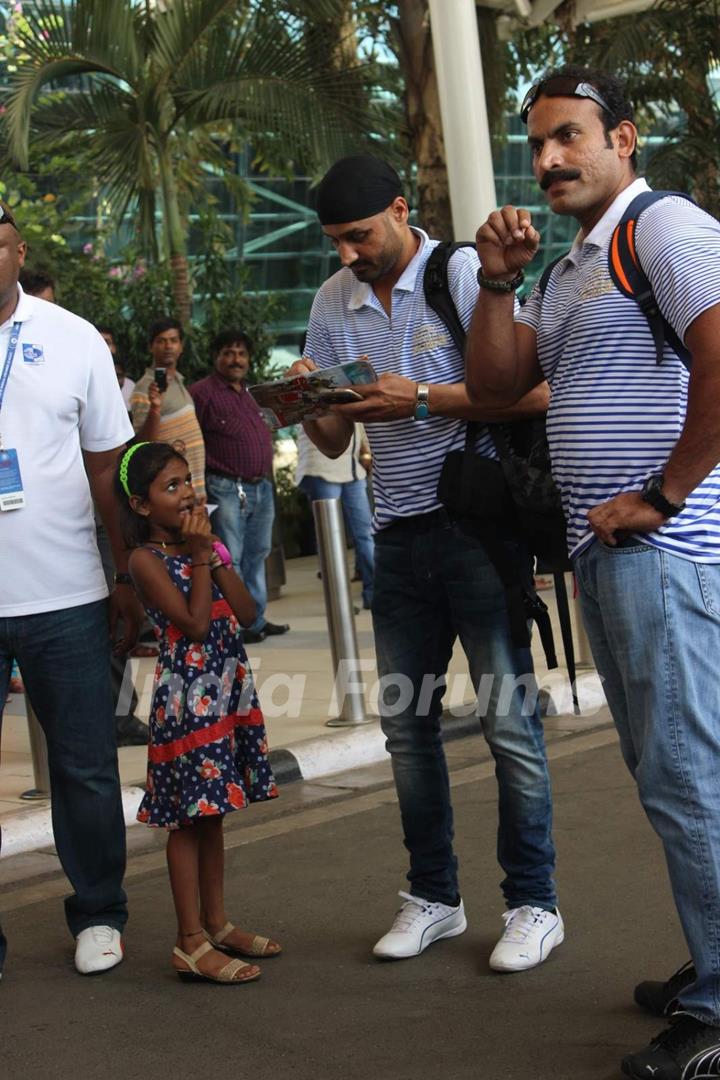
x: 300, y: 397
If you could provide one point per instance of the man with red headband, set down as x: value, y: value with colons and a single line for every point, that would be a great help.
x: 62, y: 424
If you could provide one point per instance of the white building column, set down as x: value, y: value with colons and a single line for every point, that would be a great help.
x: 466, y: 132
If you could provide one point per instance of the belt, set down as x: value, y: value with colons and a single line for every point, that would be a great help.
x: 238, y: 479
x: 434, y: 519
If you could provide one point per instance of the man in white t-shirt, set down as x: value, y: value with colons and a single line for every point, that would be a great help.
x: 635, y: 446
x: 62, y: 424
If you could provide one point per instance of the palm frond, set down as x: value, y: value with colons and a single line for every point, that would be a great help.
x: 62, y: 41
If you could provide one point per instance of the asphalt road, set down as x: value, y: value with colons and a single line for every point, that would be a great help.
x: 319, y: 870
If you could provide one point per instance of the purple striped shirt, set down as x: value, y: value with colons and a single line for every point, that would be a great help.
x: 237, y: 439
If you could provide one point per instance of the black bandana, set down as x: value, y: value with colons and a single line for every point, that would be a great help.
x: 355, y: 188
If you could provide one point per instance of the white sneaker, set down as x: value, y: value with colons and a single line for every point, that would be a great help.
x: 417, y: 924
x: 98, y: 948
x: 530, y: 935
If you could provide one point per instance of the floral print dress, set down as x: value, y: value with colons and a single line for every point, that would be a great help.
x: 208, y: 750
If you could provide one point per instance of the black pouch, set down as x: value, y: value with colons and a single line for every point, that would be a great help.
x: 475, y: 487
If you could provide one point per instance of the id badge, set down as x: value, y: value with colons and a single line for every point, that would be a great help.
x: 12, y: 496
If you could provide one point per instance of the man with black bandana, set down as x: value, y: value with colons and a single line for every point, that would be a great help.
x: 434, y: 581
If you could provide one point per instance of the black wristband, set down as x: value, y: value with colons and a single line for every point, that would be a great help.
x: 500, y: 286
x: 122, y: 579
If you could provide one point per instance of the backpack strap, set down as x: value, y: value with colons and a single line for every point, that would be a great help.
x: 437, y: 289
x: 547, y: 273
x: 439, y: 298
x: 630, y: 279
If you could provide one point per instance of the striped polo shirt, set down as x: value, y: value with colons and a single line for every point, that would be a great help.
x: 347, y: 320
x: 615, y: 415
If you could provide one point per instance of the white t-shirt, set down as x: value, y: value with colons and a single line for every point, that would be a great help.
x: 62, y: 397
x: 339, y: 470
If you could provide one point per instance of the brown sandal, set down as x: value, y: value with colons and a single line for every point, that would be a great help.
x: 226, y: 975
x: 258, y: 948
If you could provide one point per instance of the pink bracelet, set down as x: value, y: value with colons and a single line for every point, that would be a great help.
x: 222, y: 553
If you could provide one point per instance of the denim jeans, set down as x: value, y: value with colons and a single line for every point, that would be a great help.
x: 64, y: 657
x: 433, y: 583
x: 246, y: 530
x: 653, y: 621
x: 356, y: 509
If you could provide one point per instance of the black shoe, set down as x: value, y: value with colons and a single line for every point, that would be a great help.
x: 660, y: 998
x: 254, y: 637
x: 687, y: 1050
x: 272, y: 629
x: 129, y: 731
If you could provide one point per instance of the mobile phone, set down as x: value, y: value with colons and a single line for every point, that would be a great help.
x: 161, y: 379
x: 339, y: 397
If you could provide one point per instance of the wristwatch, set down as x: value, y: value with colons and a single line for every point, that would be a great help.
x: 422, y: 402
x: 652, y: 494
x: 121, y: 578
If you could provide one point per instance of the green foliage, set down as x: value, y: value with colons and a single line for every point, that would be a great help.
x: 129, y: 293
x: 144, y: 92
x: 668, y: 55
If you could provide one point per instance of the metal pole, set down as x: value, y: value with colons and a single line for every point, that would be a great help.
x: 38, y: 751
x: 338, y: 607
x: 466, y: 132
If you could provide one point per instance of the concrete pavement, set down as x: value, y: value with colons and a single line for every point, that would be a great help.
x: 319, y: 869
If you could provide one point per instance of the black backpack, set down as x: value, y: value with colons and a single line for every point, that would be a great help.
x: 521, y: 445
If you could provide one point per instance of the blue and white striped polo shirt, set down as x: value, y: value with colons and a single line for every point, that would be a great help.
x: 615, y: 415
x: 347, y: 320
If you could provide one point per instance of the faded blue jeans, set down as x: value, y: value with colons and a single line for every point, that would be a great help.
x: 434, y: 583
x: 64, y: 658
x: 653, y: 621
x: 356, y: 508
x: 246, y: 530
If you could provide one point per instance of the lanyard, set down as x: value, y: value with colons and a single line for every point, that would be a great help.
x: 9, y: 357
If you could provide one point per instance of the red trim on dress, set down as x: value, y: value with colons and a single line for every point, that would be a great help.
x: 157, y: 755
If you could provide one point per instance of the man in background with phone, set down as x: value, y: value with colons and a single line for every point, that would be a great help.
x: 434, y: 580
x: 239, y: 469
x: 162, y: 408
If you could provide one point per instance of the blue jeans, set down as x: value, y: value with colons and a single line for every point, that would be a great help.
x: 246, y: 530
x: 653, y: 621
x: 433, y: 583
x: 356, y: 509
x: 64, y: 657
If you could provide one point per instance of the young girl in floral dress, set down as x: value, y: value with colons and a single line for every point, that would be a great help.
x: 208, y: 750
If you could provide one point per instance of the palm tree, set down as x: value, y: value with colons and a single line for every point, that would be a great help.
x: 142, y: 89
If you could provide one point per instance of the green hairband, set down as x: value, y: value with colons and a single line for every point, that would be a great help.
x: 126, y: 458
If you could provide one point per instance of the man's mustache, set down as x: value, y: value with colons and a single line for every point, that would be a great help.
x: 553, y: 175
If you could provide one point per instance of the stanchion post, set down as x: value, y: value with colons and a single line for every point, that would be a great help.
x: 330, y: 533
x: 38, y: 751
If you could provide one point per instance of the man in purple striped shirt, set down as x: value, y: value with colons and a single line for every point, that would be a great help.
x: 238, y: 455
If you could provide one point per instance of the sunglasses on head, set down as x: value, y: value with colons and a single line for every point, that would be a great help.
x: 6, y: 217
x: 561, y: 86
